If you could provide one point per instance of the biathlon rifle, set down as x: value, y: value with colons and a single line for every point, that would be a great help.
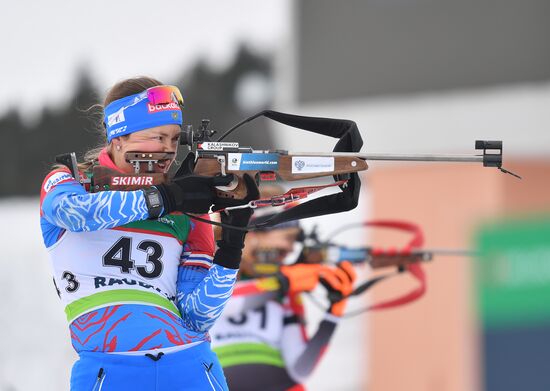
x: 315, y: 250
x: 220, y: 158
x: 405, y: 259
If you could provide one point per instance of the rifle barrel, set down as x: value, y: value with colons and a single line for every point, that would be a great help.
x: 450, y: 252
x: 400, y: 157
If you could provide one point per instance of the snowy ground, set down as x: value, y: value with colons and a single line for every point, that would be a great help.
x: 36, y: 353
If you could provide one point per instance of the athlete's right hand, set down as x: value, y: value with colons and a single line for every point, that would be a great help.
x: 192, y: 194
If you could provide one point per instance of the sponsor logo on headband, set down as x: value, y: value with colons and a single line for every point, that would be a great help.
x: 116, y: 131
x: 129, y: 180
x: 163, y: 107
x: 116, y: 117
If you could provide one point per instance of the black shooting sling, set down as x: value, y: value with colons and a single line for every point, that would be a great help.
x: 349, y: 140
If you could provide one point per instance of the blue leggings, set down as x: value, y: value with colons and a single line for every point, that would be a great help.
x: 195, y: 368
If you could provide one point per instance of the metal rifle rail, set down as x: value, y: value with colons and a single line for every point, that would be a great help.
x: 449, y: 252
x: 488, y: 159
x: 431, y: 252
x: 401, y: 157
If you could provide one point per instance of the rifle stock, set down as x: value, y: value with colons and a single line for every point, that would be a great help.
x: 289, y: 168
x: 334, y: 254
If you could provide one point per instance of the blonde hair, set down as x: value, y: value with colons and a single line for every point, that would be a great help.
x: 120, y: 90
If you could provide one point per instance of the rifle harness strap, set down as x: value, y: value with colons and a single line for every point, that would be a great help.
x: 349, y: 140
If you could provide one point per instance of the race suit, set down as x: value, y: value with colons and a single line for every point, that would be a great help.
x: 261, y: 341
x: 140, y: 295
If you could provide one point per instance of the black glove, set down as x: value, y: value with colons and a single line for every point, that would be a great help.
x: 193, y: 193
x: 232, y: 241
x: 185, y: 193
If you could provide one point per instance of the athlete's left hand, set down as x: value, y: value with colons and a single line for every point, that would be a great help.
x: 232, y: 240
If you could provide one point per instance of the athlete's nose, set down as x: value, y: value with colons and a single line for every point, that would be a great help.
x: 167, y: 146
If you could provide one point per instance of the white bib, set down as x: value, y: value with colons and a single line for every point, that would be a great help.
x: 115, y: 266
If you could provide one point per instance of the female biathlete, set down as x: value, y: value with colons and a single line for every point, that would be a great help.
x: 260, y: 338
x: 139, y: 279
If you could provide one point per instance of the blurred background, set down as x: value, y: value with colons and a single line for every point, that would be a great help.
x: 423, y: 76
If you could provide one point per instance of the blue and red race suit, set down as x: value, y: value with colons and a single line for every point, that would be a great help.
x: 132, y: 287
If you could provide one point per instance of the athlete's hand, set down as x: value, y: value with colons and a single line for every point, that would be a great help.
x: 339, y: 285
x: 232, y: 240
x: 192, y: 193
x: 236, y: 217
x: 301, y: 277
x: 186, y: 192
x: 252, y: 193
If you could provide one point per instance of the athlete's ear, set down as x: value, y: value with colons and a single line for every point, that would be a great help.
x: 116, y: 143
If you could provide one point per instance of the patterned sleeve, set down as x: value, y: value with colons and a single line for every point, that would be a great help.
x: 65, y: 203
x: 203, y: 288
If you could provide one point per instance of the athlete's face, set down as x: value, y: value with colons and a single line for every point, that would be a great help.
x: 158, y: 139
x: 267, y: 247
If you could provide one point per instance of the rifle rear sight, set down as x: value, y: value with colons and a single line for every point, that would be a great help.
x: 203, y: 134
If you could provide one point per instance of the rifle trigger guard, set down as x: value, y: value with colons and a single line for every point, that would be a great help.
x: 231, y: 186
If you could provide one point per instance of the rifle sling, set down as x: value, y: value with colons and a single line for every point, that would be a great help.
x: 349, y: 140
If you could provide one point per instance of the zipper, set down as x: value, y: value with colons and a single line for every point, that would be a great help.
x: 99, y: 381
x: 210, y: 376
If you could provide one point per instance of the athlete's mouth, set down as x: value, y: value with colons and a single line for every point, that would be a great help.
x: 164, y: 165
